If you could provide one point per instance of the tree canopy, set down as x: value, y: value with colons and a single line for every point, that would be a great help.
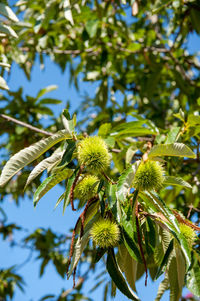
x: 127, y: 158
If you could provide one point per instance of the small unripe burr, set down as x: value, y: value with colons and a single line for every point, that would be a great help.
x: 86, y: 188
x: 93, y: 153
x: 188, y: 233
x: 149, y: 176
x: 105, y: 233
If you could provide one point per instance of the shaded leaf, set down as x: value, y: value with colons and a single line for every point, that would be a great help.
x: 117, y: 276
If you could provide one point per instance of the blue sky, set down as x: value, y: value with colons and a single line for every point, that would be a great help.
x: 45, y: 215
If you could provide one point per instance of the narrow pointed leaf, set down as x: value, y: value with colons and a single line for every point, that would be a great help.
x: 44, y: 164
x: 46, y: 90
x: 174, y: 149
x: 7, y: 12
x: 125, y: 181
x: 50, y: 182
x: 170, y: 180
x: 162, y: 288
x: 193, y: 280
x: 29, y: 154
x: 8, y: 30
x: 117, y: 276
x: 128, y: 265
x: 165, y: 258
x: 67, y: 191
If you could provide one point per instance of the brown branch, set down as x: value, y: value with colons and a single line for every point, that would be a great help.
x: 73, y: 187
x: 33, y: 128
x: 140, y: 242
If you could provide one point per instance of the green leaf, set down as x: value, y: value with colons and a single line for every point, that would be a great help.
x: 7, y: 12
x: 125, y: 181
x: 59, y: 200
x: 162, y: 288
x: 3, y: 84
x: 81, y: 243
x: 67, y: 11
x: 160, y: 4
x: 194, y: 15
x: 67, y: 156
x: 172, y: 135
x: 131, y: 245
x: 193, y: 279
x: 91, y: 27
x: 181, y: 267
x: 170, y: 180
x: 50, y: 182
x: 165, y: 258
x: 128, y: 265
x: 8, y: 30
x: 175, y: 290
x: 46, y: 90
x: 52, y: 101
x: 67, y: 122
x: 141, y: 131
x: 193, y: 119
x: 111, y: 194
x: 104, y: 130
x: 117, y: 276
x: 174, y: 149
x: 172, y: 225
x: 44, y: 164
x: 67, y: 191
x: 29, y: 154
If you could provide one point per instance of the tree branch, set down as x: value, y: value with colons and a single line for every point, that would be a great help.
x: 32, y: 128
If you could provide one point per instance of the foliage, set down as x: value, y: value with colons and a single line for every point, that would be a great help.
x: 145, y: 113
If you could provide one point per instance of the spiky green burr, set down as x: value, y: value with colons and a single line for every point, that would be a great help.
x: 149, y: 176
x: 188, y: 233
x: 105, y: 233
x: 93, y: 153
x: 86, y: 188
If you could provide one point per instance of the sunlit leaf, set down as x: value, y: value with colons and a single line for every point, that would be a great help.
x: 50, y: 182
x: 174, y: 149
x: 29, y: 154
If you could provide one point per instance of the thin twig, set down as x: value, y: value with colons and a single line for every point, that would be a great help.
x: 24, y: 124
